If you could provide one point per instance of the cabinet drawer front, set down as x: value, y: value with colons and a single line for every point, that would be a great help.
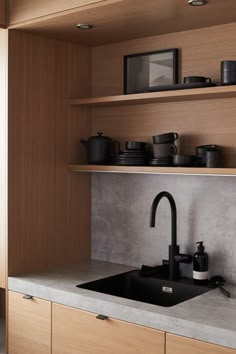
x: 29, y: 327
x: 79, y: 332
x: 182, y: 345
x: 23, y: 10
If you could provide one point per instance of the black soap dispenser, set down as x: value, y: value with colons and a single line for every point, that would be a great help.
x: 200, y: 265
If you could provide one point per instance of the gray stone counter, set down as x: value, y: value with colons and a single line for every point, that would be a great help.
x: 210, y: 317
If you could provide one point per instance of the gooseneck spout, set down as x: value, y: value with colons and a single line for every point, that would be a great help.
x: 173, y: 248
x: 154, y: 206
x: 174, y: 256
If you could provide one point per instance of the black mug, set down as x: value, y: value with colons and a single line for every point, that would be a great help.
x: 196, y: 79
x: 212, y: 158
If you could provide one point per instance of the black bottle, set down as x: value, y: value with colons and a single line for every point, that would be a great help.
x: 200, y: 265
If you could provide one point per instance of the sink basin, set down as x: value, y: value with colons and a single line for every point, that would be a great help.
x: 152, y: 290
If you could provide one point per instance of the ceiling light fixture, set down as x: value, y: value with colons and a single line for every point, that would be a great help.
x: 84, y: 26
x: 197, y: 2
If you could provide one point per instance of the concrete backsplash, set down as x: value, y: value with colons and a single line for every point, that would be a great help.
x: 206, y: 211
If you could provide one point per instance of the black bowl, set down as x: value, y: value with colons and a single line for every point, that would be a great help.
x: 183, y: 160
x: 135, y: 145
x: 165, y: 138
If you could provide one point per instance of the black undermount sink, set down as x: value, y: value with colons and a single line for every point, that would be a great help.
x: 152, y: 290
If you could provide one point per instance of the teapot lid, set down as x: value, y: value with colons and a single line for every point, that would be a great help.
x: 99, y: 136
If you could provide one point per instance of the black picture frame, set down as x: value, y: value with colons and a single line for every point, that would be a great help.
x: 139, y: 70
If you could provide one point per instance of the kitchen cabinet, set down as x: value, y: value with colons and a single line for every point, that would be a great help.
x: 61, y: 91
x: 24, y: 10
x: 181, y: 345
x: 75, y: 331
x: 29, y: 325
x: 40, y: 327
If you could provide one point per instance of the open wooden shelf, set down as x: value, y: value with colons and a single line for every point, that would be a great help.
x: 155, y: 170
x: 158, y: 97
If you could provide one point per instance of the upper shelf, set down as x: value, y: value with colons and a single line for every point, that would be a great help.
x: 158, y: 97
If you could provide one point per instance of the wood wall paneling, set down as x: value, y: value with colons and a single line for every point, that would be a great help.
x: 3, y: 154
x: 3, y: 13
x: 49, y: 208
x: 197, y: 122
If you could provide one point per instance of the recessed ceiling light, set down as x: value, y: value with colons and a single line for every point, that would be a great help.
x: 84, y: 26
x: 197, y: 2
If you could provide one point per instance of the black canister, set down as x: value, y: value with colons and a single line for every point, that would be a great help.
x: 228, y: 72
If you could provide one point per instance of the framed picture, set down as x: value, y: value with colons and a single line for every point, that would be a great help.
x: 144, y: 72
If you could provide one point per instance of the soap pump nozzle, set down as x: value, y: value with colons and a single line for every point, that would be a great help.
x: 200, y: 247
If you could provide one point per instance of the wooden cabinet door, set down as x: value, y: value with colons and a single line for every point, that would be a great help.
x: 182, y: 345
x: 79, y: 332
x: 23, y: 10
x: 29, y: 326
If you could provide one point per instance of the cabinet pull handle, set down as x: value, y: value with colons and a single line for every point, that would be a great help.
x: 102, y: 317
x: 27, y: 297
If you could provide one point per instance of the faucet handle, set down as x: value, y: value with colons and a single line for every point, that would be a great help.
x: 165, y: 262
x: 183, y: 258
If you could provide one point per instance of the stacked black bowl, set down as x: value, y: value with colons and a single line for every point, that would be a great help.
x: 134, y: 154
x: 164, y: 149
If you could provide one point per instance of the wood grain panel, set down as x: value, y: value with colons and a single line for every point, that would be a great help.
x: 29, y: 325
x: 3, y: 154
x: 201, y: 52
x: 119, y: 20
x: 3, y: 13
x: 182, y: 345
x: 197, y: 122
x: 23, y: 10
x: 49, y: 209
x: 75, y: 331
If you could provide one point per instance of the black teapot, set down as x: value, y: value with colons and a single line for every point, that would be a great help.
x: 98, y: 149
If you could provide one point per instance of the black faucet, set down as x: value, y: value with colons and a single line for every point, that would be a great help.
x: 174, y: 256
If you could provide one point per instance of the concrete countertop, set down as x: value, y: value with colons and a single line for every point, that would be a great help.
x: 210, y: 317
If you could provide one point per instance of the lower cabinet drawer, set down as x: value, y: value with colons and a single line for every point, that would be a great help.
x: 182, y: 345
x: 29, y: 325
x: 78, y: 332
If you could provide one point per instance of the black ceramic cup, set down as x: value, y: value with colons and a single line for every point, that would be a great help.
x: 196, y: 79
x: 166, y: 138
x: 164, y: 150
x: 228, y: 72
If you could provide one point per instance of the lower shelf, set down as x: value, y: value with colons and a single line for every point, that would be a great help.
x: 155, y: 170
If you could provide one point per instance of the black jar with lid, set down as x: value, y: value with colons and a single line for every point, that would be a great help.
x: 228, y: 72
